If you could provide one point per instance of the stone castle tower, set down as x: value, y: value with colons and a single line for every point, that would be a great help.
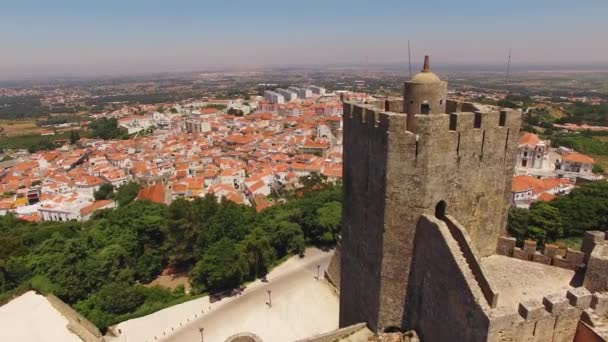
x: 424, y: 155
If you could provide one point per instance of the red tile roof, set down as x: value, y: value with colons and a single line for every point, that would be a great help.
x: 155, y: 193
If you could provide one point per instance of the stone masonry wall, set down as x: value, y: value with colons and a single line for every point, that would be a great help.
x: 446, y: 303
x: 470, y: 168
x: 364, y: 173
x: 393, y: 176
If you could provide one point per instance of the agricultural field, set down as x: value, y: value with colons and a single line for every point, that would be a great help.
x: 19, y: 127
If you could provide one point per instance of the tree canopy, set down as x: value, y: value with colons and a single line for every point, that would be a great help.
x: 97, y: 265
x: 585, y: 208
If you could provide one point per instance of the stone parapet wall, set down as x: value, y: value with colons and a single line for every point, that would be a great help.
x: 446, y: 301
x: 332, y: 274
x: 553, y: 319
x: 572, y: 260
x: 596, y: 274
x: 79, y: 325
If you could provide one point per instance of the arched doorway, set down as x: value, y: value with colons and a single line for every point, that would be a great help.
x: 393, y: 329
x: 441, y: 209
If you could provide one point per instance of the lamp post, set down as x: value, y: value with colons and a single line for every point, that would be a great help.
x: 269, y: 298
x: 201, y: 330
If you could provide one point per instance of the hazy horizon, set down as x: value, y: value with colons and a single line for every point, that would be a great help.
x: 70, y: 38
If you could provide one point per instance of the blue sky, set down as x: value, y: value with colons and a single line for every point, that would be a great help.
x: 89, y: 37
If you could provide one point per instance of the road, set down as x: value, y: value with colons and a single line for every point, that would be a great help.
x: 302, y: 306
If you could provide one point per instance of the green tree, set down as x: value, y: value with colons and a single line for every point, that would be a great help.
x: 597, y: 168
x: 519, y: 220
x: 126, y: 193
x: 222, y: 267
x: 288, y: 238
x: 105, y: 191
x: 330, y: 217
x: 105, y: 128
x: 119, y: 298
x: 74, y: 137
x: 259, y: 253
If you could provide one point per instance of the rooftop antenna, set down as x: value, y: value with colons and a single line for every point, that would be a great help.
x: 409, y: 57
x: 507, y: 74
x: 508, y: 68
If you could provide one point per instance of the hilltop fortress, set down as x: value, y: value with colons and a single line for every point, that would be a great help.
x: 426, y: 198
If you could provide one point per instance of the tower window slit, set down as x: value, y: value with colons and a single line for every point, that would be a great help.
x: 477, y: 121
x: 483, y: 141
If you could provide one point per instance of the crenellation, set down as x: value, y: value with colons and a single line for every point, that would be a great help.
x: 505, y: 245
x: 572, y: 259
x: 530, y: 246
x: 556, y: 303
x: 579, y: 297
x: 541, y: 258
x: 599, y: 303
x: 550, y: 250
x: 590, y: 240
x: 532, y: 310
x: 521, y: 254
x: 575, y: 258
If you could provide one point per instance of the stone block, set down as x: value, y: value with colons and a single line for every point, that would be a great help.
x: 590, y: 239
x: 541, y: 259
x: 530, y: 246
x: 575, y: 258
x: 551, y: 250
x: 556, y: 303
x: 599, y: 303
x: 579, y: 297
x: 531, y: 310
x: 505, y: 245
x: 521, y: 254
x: 559, y: 261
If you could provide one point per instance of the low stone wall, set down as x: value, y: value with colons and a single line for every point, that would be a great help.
x: 573, y: 260
x: 460, y: 235
x: 445, y: 301
x: 79, y: 325
x: 332, y: 274
x: 335, y: 334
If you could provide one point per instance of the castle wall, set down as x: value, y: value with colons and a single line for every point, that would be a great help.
x: 332, y: 274
x: 392, y: 176
x: 596, y: 274
x: 467, y: 160
x: 446, y: 302
x: 363, y: 215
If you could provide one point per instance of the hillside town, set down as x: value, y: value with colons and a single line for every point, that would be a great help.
x: 189, y: 151
x: 242, y: 150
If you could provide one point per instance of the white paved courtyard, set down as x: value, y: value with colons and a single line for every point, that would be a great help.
x: 302, y: 306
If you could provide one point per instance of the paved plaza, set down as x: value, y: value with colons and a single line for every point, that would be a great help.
x: 301, y: 306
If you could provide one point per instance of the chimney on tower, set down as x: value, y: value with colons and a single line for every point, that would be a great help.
x: 427, y: 64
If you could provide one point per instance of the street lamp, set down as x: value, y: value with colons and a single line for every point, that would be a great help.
x: 201, y: 330
x: 318, y: 267
x: 269, y: 299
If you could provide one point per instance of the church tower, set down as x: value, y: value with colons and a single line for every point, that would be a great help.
x: 431, y: 156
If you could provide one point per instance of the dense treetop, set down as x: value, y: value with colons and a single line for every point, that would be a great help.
x: 98, y: 266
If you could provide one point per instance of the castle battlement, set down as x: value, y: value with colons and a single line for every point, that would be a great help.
x: 572, y: 259
x: 407, y: 157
